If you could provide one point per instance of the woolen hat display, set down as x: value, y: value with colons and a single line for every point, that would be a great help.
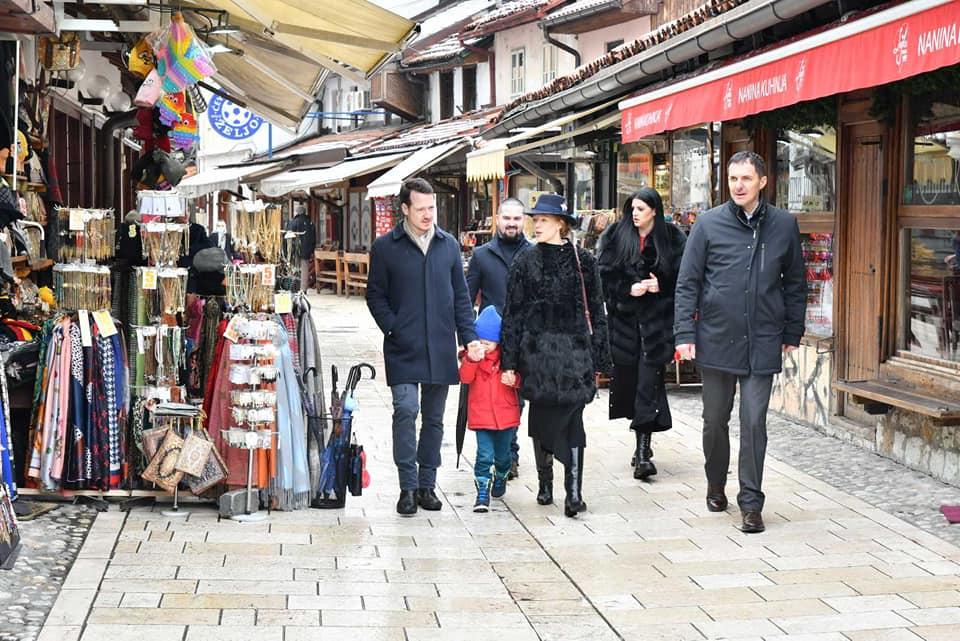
x: 551, y: 205
x: 487, y: 324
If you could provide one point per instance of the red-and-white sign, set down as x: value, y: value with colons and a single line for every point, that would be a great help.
x: 900, y: 47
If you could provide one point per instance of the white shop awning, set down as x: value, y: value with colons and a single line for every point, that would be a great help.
x: 389, y: 184
x: 289, y: 181
x: 218, y: 179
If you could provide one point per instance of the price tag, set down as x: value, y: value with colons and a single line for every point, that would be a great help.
x: 283, y: 303
x: 86, y: 338
x: 149, y: 278
x: 105, y: 323
x: 269, y: 275
x: 232, y: 332
x: 76, y: 220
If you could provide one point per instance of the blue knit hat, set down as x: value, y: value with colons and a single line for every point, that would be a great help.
x: 487, y: 324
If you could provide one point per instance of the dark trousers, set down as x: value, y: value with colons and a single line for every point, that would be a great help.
x: 719, y: 389
x: 515, y: 444
x: 417, y: 463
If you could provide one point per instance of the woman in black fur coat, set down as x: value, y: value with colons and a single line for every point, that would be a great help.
x: 639, y: 260
x: 554, y: 337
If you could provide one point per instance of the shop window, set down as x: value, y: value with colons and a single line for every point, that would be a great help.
x: 806, y: 170
x: 584, y: 188
x: 933, y: 304
x: 634, y: 170
x: 610, y: 46
x: 934, y: 168
x: 818, y: 257
x: 692, y: 173
x: 517, y: 71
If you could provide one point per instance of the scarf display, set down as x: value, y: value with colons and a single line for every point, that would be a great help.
x: 79, y: 423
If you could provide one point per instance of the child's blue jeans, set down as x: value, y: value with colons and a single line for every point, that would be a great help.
x: 493, y: 450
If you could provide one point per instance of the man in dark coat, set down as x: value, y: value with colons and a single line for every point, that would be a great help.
x: 305, y: 229
x: 487, y: 272
x: 740, y: 302
x: 418, y: 296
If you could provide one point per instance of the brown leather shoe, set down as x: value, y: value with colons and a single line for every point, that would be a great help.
x: 752, y: 523
x: 716, y: 499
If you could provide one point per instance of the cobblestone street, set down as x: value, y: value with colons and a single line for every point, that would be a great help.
x: 854, y: 549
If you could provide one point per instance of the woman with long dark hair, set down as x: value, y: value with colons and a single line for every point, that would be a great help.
x: 554, y: 338
x: 639, y: 258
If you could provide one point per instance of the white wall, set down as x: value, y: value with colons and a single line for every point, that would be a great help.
x: 483, y: 85
x: 434, y: 114
x: 529, y: 36
x: 593, y: 43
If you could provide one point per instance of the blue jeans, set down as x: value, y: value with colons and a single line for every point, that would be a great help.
x: 493, y: 450
x: 417, y: 463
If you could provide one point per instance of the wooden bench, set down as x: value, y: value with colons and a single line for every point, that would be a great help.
x: 356, y: 268
x: 328, y: 266
x: 879, y: 397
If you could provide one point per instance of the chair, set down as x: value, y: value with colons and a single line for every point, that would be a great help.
x: 328, y: 266
x: 356, y: 269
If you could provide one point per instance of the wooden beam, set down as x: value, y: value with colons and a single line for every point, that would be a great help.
x: 26, y: 16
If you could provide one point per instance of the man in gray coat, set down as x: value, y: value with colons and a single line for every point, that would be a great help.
x: 740, y: 303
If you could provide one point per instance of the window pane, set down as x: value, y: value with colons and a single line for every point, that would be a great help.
x: 806, y: 170
x: 691, y: 169
x: 935, y: 169
x: 934, y: 294
x: 584, y: 188
x: 818, y: 257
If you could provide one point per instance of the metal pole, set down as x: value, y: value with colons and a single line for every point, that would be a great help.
x: 16, y: 112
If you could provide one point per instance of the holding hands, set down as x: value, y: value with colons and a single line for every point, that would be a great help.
x: 508, y: 377
x: 475, y: 351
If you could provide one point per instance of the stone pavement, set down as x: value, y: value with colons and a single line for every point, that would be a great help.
x: 647, y: 561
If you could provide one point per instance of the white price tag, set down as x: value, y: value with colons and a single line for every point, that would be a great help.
x: 149, y: 278
x: 76, y: 220
x: 283, y: 303
x: 269, y: 275
x: 86, y: 338
x: 105, y: 323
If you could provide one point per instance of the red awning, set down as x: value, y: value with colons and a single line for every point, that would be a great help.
x: 908, y: 39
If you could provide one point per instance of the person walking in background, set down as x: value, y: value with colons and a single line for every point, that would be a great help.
x: 555, y: 339
x: 304, y: 228
x: 639, y: 259
x: 487, y: 274
x: 493, y: 409
x: 740, y: 302
x: 417, y: 294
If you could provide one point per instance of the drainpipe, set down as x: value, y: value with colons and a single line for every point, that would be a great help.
x: 114, y: 122
x: 559, y: 45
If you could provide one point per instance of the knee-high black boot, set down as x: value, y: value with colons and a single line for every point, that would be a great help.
x: 544, y: 462
x: 572, y: 482
x: 644, y: 467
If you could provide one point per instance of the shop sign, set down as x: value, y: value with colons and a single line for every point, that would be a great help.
x: 231, y: 120
x: 899, y: 48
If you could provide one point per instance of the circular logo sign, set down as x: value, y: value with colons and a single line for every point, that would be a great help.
x: 232, y: 121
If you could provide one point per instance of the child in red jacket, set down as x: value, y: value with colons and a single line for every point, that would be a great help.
x: 493, y: 409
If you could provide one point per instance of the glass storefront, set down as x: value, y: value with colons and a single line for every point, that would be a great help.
x: 935, y: 168
x: 806, y: 170
x: 818, y: 257
x: 933, y: 324
x: 692, y: 167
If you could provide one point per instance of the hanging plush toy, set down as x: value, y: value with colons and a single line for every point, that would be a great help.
x: 182, y: 59
x: 185, y: 133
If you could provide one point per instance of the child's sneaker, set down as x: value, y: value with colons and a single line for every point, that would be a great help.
x: 499, y: 486
x: 483, y: 496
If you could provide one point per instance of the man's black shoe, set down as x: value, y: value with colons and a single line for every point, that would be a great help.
x: 752, y: 523
x: 716, y: 499
x: 407, y: 505
x: 427, y: 499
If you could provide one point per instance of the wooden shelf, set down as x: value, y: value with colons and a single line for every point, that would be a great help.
x: 879, y: 397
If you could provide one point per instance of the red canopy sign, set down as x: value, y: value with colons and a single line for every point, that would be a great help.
x: 898, y: 48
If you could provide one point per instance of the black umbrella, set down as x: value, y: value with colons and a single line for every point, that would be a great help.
x: 462, y: 419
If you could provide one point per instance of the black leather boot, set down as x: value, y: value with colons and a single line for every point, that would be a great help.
x: 644, y: 467
x: 544, y: 474
x: 572, y: 505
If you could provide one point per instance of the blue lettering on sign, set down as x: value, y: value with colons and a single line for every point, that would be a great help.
x: 232, y: 121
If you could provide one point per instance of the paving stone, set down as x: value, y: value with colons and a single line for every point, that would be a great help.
x: 141, y: 600
x: 342, y: 602
x: 98, y: 632
x: 841, y: 622
x: 153, y: 616
x: 885, y: 602
x: 288, y: 617
x: 226, y: 601
x: 234, y: 633
x: 294, y: 633
x: 377, y: 619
